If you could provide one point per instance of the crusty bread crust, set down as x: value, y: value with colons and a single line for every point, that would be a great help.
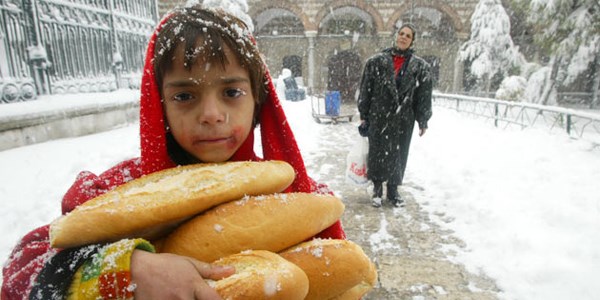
x: 154, y: 204
x: 269, y: 222
x: 261, y: 275
x: 335, y: 268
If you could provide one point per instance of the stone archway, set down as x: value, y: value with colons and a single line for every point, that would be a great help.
x: 278, y: 21
x: 363, y: 11
x: 344, y: 73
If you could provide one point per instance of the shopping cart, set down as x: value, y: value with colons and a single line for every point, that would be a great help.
x: 328, y: 108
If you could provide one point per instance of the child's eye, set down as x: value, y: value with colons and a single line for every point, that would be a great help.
x: 234, y: 93
x: 182, y: 97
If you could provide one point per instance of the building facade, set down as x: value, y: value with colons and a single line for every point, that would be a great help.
x: 326, y: 43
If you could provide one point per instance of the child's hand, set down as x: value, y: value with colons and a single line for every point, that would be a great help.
x: 170, y: 276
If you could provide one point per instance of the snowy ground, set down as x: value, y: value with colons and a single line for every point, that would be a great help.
x: 526, y: 202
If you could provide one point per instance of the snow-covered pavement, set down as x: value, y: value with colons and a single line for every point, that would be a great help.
x: 520, y: 206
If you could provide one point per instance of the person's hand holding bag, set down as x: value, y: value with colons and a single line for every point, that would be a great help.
x: 363, y: 128
x: 356, y: 161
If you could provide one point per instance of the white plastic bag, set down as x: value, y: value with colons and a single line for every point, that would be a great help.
x: 356, y: 162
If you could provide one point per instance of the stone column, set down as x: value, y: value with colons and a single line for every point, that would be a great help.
x: 458, y: 75
x: 310, y: 35
x: 385, y: 39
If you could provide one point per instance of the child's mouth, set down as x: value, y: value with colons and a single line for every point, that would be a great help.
x: 211, y: 140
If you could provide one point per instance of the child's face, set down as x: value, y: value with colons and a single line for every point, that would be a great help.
x: 209, y: 109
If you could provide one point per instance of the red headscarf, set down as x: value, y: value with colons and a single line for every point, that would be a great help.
x: 278, y: 141
x: 277, y: 138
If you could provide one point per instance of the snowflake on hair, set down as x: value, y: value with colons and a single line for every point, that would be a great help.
x: 238, y: 8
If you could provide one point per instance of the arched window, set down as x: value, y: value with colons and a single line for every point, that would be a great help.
x: 277, y: 21
x: 344, y: 73
x: 294, y: 64
x: 431, y: 23
x: 346, y: 20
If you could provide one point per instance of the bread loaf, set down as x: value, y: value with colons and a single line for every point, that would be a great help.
x: 335, y: 268
x: 261, y: 275
x: 268, y: 222
x: 152, y: 205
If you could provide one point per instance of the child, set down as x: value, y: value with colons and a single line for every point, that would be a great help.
x: 204, y: 90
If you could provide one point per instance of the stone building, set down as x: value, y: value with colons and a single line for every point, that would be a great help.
x: 326, y: 43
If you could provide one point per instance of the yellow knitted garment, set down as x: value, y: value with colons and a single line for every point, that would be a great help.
x: 107, y: 275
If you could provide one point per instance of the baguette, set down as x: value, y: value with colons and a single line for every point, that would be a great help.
x: 261, y: 275
x: 268, y: 222
x: 152, y: 205
x: 335, y: 268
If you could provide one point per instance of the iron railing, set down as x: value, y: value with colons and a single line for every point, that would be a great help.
x: 567, y: 99
x: 576, y: 124
x: 72, y: 46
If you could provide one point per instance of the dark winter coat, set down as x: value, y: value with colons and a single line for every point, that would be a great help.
x: 391, y: 108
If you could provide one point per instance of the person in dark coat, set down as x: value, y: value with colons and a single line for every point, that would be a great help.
x: 395, y: 92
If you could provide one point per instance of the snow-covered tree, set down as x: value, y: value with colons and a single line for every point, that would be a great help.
x: 490, y: 49
x: 569, y: 32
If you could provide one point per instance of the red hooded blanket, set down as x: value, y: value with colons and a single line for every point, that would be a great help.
x: 33, y: 251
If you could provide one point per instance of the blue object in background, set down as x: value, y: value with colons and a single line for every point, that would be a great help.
x: 332, y: 103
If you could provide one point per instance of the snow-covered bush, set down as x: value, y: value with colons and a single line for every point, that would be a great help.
x: 512, y: 88
x: 537, y: 85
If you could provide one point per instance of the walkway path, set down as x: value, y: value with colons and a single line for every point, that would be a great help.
x: 414, y: 256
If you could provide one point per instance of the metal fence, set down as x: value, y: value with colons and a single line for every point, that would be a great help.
x: 576, y: 124
x: 72, y: 46
x: 567, y: 99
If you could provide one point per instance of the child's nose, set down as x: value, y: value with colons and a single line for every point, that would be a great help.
x: 211, y: 111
